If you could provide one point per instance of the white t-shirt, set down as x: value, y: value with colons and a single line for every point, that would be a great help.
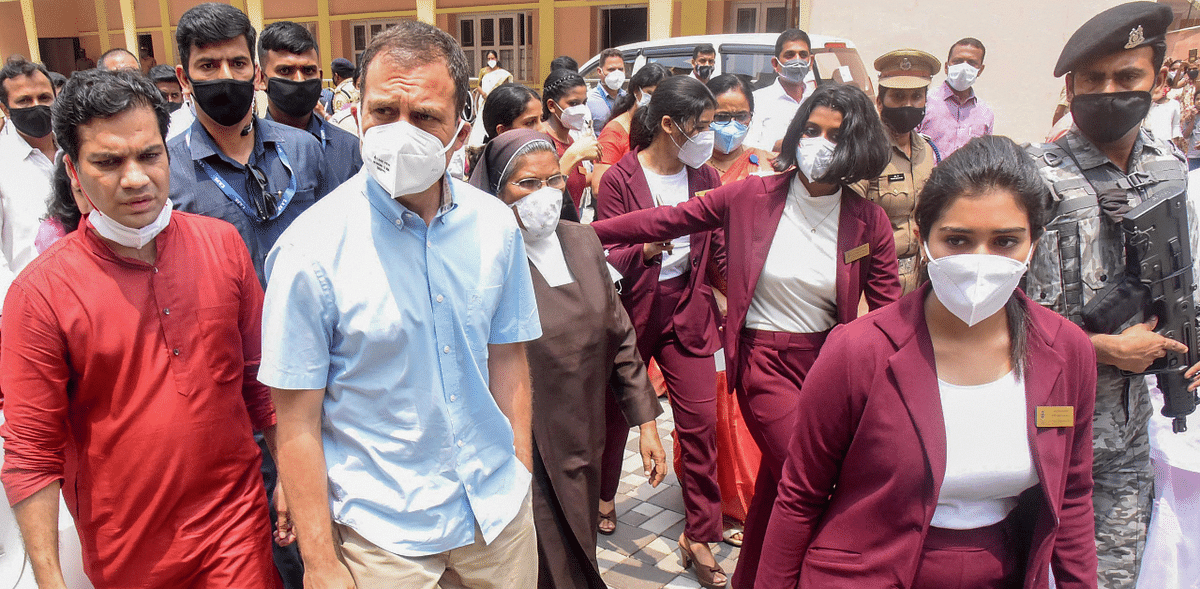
x: 669, y: 191
x: 988, y: 459
x: 1163, y: 120
x: 797, y: 289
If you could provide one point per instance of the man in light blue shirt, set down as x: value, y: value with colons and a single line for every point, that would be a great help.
x: 602, y: 98
x: 394, y: 323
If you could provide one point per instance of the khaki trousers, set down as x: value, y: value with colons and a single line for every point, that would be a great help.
x: 509, y: 562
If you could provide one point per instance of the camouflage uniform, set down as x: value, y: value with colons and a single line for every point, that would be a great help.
x: 1081, y: 250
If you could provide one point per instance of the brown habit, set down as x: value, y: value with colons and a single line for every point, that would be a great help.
x: 587, y: 343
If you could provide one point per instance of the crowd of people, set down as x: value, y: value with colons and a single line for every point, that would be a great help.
x: 395, y: 333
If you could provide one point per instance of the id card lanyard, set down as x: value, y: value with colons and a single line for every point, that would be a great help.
x: 235, y: 196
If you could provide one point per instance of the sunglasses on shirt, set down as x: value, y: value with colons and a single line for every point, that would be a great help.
x: 264, y: 205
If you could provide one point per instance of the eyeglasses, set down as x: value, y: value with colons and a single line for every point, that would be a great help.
x: 557, y: 182
x: 724, y: 117
x: 264, y: 206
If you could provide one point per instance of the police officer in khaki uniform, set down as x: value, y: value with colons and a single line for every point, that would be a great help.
x: 1103, y: 166
x: 904, y: 77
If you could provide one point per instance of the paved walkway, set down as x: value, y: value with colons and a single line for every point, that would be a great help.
x: 644, y: 553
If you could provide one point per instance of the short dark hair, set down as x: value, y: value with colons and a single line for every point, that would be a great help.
x: 205, y: 24
x: 61, y: 205
x: 862, y: 146
x: 683, y: 98
x: 969, y: 42
x: 727, y: 82
x: 100, y: 94
x: 703, y: 48
x: 650, y: 75
x: 984, y: 164
x: 610, y: 52
x: 342, y: 68
x: 557, y: 84
x: 504, y: 105
x: 17, y: 66
x: 412, y: 42
x: 162, y: 73
x: 565, y: 62
x: 791, y: 35
x: 57, y: 80
x: 114, y: 51
x: 285, y: 36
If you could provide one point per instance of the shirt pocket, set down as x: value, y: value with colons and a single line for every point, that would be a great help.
x: 221, y: 342
x: 478, y: 323
x: 1044, y: 282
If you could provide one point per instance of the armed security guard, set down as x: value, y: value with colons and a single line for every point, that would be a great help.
x: 1100, y: 169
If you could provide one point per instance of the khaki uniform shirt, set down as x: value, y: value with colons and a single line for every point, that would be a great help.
x: 896, y: 191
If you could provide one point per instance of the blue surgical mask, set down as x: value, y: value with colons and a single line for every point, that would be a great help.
x: 729, y: 135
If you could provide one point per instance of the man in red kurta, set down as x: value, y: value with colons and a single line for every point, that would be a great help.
x: 132, y: 345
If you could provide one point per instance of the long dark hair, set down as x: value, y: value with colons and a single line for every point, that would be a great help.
x: 505, y: 103
x: 61, y: 205
x: 862, y: 145
x: 985, y: 164
x: 558, y: 83
x: 682, y: 98
x: 650, y: 75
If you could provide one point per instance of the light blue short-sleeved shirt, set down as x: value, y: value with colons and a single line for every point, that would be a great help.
x: 392, y: 319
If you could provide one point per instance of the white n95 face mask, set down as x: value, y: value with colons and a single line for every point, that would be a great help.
x: 975, y: 286
x: 128, y: 236
x: 614, y: 80
x: 697, y: 149
x: 404, y: 159
x: 961, y: 76
x: 644, y: 100
x: 814, y: 155
x: 576, y: 117
x: 539, y: 212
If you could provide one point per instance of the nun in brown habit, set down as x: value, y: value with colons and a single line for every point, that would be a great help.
x: 587, y: 344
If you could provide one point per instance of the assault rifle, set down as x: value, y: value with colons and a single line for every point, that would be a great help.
x: 1158, y: 282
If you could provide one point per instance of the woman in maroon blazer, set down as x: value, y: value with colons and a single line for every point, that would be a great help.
x: 945, y: 441
x: 665, y: 292
x: 803, y: 248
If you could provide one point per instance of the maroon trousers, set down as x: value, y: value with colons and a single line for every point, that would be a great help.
x: 981, y: 558
x: 772, y: 368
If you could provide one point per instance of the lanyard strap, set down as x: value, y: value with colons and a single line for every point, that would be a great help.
x: 241, y: 201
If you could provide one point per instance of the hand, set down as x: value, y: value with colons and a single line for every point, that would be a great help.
x: 585, y: 149
x: 1136, y: 348
x: 1191, y: 373
x: 654, y: 458
x: 332, y: 576
x: 649, y: 250
x: 285, y: 530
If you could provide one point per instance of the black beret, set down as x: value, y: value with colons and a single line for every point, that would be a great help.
x: 343, y: 67
x: 1126, y: 26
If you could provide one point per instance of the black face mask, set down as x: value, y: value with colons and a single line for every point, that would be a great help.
x: 173, y: 106
x: 1193, y: 74
x: 1105, y: 118
x: 297, y: 99
x: 703, y: 71
x: 224, y: 101
x: 902, y: 119
x: 33, y: 121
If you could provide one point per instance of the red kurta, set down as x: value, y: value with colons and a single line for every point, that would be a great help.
x: 147, y: 375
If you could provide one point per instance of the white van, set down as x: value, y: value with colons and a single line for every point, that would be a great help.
x: 834, y: 59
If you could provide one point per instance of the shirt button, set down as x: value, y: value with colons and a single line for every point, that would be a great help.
x: 446, y: 350
x: 470, y: 488
x: 166, y: 311
x: 440, y: 298
x: 461, y: 444
x: 428, y: 243
x: 453, y: 397
x: 156, y: 269
x: 175, y: 351
x: 399, y: 223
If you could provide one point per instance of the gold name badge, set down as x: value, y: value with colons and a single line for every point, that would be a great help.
x: 1055, y: 416
x: 858, y: 253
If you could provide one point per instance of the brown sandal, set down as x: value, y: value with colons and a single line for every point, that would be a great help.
x: 610, y: 517
x: 705, y: 574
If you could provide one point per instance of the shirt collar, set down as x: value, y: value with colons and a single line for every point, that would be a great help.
x: 781, y: 92
x: 1088, y: 156
x: 203, y: 145
x: 17, y: 145
x: 314, y: 126
x: 102, y: 249
x: 949, y: 95
x: 393, y: 210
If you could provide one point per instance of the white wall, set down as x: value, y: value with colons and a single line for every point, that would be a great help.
x: 1023, y: 40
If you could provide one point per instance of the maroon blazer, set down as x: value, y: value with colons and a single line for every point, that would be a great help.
x: 863, y: 472
x: 749, y: 211
x: 623, y: 188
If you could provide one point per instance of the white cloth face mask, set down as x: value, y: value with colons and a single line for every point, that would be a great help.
x: 492, y: 63
x: 539, y: 212
x: 961, y: 76
x: 614, y: 80
x: 975, y: 286
x: 697, y: 149
x: 404, y: 159
x: 576, y: 117
x: 644, y: 100
x: 794, y: 70
x: 814, y: 155
x: 128, y: 236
